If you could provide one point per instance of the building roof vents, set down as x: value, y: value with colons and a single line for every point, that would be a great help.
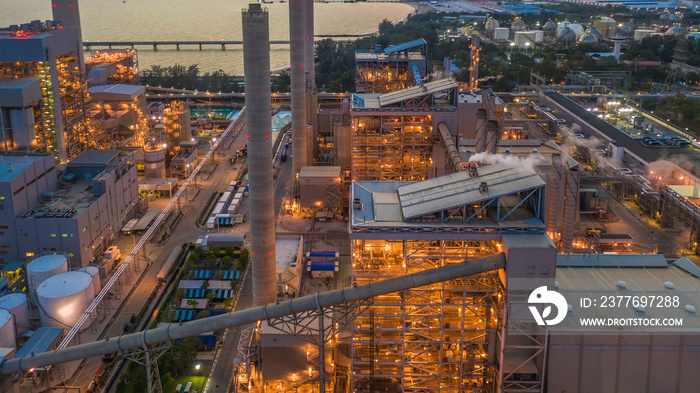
x: 357, y: 204
x: 622, y: 284
x: 483, y: 187
x: 668, y: 285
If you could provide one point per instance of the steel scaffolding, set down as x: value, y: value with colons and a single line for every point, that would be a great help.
x: 436, y: 338
x: 392, y: 147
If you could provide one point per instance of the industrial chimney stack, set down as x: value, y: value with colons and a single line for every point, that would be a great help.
x: 68, y: 13
x: 256, y: 68
x: 297, y: 54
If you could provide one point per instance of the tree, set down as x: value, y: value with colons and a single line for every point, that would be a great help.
x: 228, y: 303
x: 181, y: 293
x: 211, y: 260
x: 214, y: 250
x: 226, y: 261
x: 192, y: 302
x: 205, y: 284
x: 282, y: 83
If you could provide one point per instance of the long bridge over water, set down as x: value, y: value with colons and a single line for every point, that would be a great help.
x: 201, y: 44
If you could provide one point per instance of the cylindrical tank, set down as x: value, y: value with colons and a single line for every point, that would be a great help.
x: 562, y: 25
x: 501, y: 33
x: 7, y: 329
x: 63, y: 298
x: 539, y: 36
x: 594, y: 32
x: 16, y: 303
x: 675, y: 19
x: 44, y: 267
x: 154, y: 161
x: 665, y: 17
x: 94, y: 272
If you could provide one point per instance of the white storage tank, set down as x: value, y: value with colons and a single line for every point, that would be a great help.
x: 62, y: 299
x: 44, y: 267
x: 501, y: 33
x: 7, y: 330
x: 94, y: 272
x: 17, y: 304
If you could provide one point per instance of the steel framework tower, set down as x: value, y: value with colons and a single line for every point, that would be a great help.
x: 256, y: 65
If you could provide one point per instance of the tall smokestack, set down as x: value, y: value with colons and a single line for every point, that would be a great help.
x: 554, y: 195
x: 309, y: 59
x: 491, y: 136
x: 297, y: 47
x: 68, y: 13
x: 481, y: 115
x: 571, y: 194
x: 256, y: 68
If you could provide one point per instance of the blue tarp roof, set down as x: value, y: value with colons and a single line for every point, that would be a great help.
x: 184, y: 315
x: 42, y: 339
x: 222, y: 293
x: 202, y: 274
x: 195, y: 293
x: 405, y: 45
x: 322, y: 266
x: 325, y: 254
x: 230, y: 275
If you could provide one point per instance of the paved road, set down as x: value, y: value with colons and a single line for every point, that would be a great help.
x: 187, y: 231
x: 223, y: 368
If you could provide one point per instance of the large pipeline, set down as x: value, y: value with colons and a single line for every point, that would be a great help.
x: 450, y: 147
x: 298, y: 79
x: 273, y: 310
x: 256, y: 66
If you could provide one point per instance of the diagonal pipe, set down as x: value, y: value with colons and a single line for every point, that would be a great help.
x: 151, y: 337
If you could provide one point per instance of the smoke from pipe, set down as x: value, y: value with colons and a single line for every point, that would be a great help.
x: 519, y: 164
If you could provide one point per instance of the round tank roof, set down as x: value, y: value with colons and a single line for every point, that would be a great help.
x: 594, y: 32
x: 675, y: 18
x: 91, y: 270
x: 518, y: 24
x: 588, y: 39
x: 46, y: 263
x: 64, y: 285
x: 5, y: 316
x: 577, y: 28
x: 550, y: 25
x: 674, y: 31
x: 625, y: 27
x: 12, y: 300
x: 566, y: 36
x: 491, y: 24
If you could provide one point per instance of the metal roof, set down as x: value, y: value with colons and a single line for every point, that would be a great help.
x: 41, y: 341
x: 386, y: 206
x: 116, y: 92
x: 319, y: 171
x: 611, y: 260
x: 688, y: 265
x: 406, y: 45
x: 416, y: 91
x: 460, y: 188
x: 93, y: 157
x: 19, y: 162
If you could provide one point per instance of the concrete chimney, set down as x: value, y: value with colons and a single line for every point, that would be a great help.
x: 481, y: 116
x: 68, y: 13
x: 617, y: 46
x: 491, y: 136
x: 570, y: 204
x: 297, y: 47
x: 309, y: 50
x: 554, y: 196
x: 256, y: 69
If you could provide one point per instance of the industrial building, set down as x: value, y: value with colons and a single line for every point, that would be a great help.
x: 77, y: 216
x: 393, y: 68
x: 113, y: 66
x: 44, y: 96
